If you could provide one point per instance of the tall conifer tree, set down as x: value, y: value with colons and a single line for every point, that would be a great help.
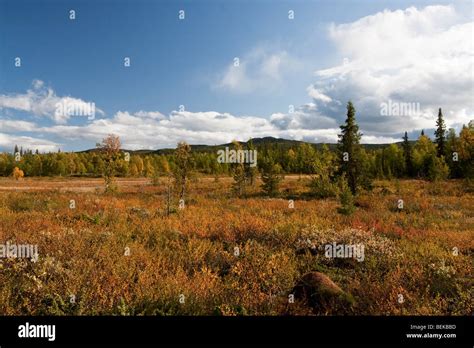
x: 349, y: 150
x: 440, y: 134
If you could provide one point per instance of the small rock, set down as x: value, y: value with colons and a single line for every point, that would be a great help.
x: 321, y: 293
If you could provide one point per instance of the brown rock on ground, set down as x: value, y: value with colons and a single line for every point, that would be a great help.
x: 321, y: 293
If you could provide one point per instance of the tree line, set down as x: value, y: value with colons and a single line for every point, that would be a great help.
x: 449, y: 155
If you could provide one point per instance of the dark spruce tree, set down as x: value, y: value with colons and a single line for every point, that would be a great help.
x: 440, y: 134
x: 250, y: 172
x: 407, y: 155
x: 271, y: 177
x: 349, y: 150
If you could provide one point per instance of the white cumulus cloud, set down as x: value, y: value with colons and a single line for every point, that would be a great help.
x: 8, y: 141
x: 261, y: 69
x: 42, y: 101
x: 423, y: 56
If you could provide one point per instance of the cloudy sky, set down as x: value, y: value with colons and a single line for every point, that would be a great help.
x: 229, y: 70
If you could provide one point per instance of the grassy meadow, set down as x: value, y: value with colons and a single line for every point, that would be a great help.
x: 123, y: 254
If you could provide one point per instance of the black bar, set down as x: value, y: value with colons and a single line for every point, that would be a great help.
x: 242, y: 330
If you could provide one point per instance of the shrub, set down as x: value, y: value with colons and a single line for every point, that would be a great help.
x: 322, y: 187
x: 18, y: 173
x: 271, y: 178
x: 437, y: 169
x: 345, y: 198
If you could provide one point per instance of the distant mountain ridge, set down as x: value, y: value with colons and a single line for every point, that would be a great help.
x: 258, y: 142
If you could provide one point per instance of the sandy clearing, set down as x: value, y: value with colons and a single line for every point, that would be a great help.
x: 87, y: 185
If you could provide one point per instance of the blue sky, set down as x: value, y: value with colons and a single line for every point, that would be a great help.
x: 283, y: 64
